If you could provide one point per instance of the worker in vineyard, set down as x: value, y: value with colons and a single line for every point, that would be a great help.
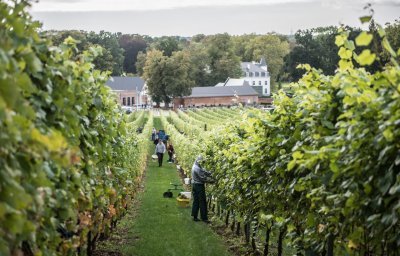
x: 171, y: 152
x: 160, y: 150
x: 199, y: 177
x: 153, y: 134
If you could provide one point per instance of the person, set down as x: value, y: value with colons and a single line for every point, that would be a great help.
x: 160, y: 150
x: 153, y: 134
x: 199, y: 177
x: 171, y: 152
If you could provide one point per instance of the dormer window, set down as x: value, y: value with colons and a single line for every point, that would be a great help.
x: 251, y: 74
x: 257, y: 74
x: 262, y: 74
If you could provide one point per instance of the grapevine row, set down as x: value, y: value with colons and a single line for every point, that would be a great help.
x: 68, y: 163
x: 321, y: 171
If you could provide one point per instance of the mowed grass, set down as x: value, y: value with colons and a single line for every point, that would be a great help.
x: 161, y: 227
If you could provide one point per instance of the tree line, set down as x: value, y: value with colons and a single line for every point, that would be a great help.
x: 172, y: 65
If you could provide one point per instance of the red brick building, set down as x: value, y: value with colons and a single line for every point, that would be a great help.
x: 218, y: 96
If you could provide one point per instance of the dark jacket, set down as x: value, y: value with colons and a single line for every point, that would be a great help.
x: 199, y: 174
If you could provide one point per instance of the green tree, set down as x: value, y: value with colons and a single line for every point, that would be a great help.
x: 166, y: 44
x: 167, y: 77
x: 240, y: 43
x: 223, y: 61
x: 315, y: 47
x: 113, y: 57
x: 112, y: 54
x: 140, y: 63
x: 393, y: 34
x: 58, y: 37
x: 198, y: 38
x: 177, y: 76
x: 132, y: 45
x: 272, y: 48
x: 199, y: 64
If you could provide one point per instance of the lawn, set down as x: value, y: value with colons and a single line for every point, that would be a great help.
x: 157, y: 226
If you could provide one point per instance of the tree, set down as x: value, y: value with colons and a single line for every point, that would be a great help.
x: 272, y: 48
x: 113, y: 57
x: 132, y: 45
x: 166, y: 44
x: 223, y: 61
x: 393, y: 34
x: 315, y: 47
x: 58, y: 37
x: 199, y: 64
x: 177, y: 76
x: 112, y: 54
x: 198, y: 38
x: 167, y: 77
x: 140, y: 63
x: 239, y: 45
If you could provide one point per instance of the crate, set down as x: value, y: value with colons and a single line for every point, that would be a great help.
x: 188, y: 194
x: 184, y: 203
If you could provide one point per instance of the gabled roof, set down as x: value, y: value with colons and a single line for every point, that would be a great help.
x: 222, y: 91
x: 122, y: 83
x: 236, y: 82
x: 251, y: 67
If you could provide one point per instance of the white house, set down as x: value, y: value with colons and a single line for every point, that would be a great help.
x: 255, y: 75
x: 130, y: 91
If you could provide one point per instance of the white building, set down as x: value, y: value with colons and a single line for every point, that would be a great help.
x: 130, y: 91
x: 255, y: 75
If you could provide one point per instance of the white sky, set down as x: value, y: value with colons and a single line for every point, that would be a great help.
x: 124, y: 5
x: 191, y: 17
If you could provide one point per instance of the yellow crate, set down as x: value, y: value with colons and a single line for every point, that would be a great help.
x: 183, y: 202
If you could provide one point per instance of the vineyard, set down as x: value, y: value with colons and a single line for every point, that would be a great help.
x: 319, y: 174
x: 69, y: 165
x: 321, y: 171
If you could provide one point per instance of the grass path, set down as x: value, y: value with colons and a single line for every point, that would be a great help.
x: 159, y: 226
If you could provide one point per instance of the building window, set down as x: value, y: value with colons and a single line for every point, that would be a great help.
x: 266, y: 91
x: 262, y: 74
x: 257, y: 74
x: 250, y: 74
x: 123, y: 101
x: 133, y: 100
x: 129, y: 101
x: 254, y: 82
x: 266, y: 82
x: 259, y: 82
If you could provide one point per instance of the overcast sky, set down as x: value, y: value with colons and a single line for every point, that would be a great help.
x: 190, y: 17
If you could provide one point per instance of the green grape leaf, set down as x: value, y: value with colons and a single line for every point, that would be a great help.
x: 349, y: 45
x: 365, y: 19
x: 366, y: 58
x: 291, y: 165
x: 339, y: 40
x: 363, y: 39
x: 345, y: 53
x: 388, y: 134
x: 388, y: 47
x: 9, y: 92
